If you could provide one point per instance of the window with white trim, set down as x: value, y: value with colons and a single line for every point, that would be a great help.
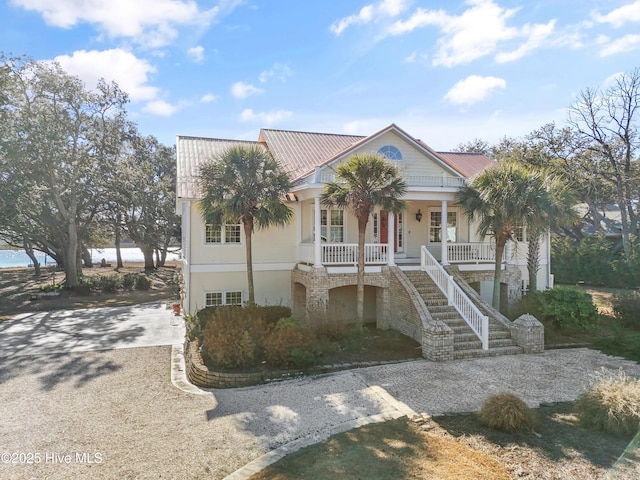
x: 221, y: 234
x: 520, y: 234
x: 217, y: 299
x: 435, y: 227
x: 332, y: 225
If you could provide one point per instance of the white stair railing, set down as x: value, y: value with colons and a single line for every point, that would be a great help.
x: 456, y: 297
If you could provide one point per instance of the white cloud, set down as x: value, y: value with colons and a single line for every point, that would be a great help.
x: 208, y: 98
x: 278, y: 70
x: 152, y: 23
x: 473, y: 89
x: 474, y: 33
x: 244, y: 90
x: 160, y: 107
x: 369, y: 13
x: 128, y: 71
x: 621, y: 15
x: 265, y: 118
x: 196, y: 53
x: 628, y: 43
x: 416, y: 57
x: 537, y: 35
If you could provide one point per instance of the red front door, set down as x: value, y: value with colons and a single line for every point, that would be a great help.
x: 384, y: 229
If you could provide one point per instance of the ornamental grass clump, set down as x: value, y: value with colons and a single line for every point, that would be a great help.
x: 504, y: 411
x: 611, y: 404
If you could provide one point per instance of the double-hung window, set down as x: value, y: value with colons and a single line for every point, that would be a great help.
x: 222, y: 234
x: 435, y: 227
x: 332, y: 225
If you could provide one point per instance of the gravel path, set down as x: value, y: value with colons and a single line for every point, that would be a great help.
x: 115, y: 413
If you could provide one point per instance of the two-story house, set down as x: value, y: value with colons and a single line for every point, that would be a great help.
x: 425, y: 267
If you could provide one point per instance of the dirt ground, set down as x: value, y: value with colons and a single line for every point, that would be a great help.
x: 17, y: 285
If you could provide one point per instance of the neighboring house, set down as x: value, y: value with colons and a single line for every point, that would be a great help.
x: 310, y: 264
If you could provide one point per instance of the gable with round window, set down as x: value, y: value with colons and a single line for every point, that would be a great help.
x: 390, y: 152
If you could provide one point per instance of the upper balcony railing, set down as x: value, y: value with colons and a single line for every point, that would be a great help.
x: 441, y: 181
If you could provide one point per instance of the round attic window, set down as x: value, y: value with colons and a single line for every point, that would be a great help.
x: 390, y: 152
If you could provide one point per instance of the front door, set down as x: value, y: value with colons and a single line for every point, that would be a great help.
x: 384, y: 230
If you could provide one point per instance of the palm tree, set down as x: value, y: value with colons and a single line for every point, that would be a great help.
x: 245, y: 185
x: 557, y: 212
x: 363, y: 183
x: 502, y: 198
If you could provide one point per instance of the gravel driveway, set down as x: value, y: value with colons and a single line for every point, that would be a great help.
x: 115, y: 413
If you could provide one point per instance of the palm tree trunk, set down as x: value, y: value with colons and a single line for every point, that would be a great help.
x: 533, y: 259
x: 248, y: 230
x: 500, y: 244
x: 362, y: 226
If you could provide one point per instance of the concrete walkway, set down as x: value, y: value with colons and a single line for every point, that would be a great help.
x: 85, y: 330
x: 69, y: 384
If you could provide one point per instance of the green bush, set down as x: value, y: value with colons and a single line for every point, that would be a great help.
x: 230, y: 338
x: 143, y: 282
x: 626, y: 309
x: 504, y: 411
x: 129, y: 281
x: 569, y: 308
x: 286, y: 337
x: 108, y: 283
x: 611, y: 404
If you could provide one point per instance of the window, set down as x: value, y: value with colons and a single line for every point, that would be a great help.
x: 375, y: 228
x: 332, y: 225
x: 519, y: 234
x: 435, y: 227
x: 222, y: 234
x: 216, y: 299
x: 390, y: 152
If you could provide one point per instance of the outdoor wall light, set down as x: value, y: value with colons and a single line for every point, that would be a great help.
x: 418, y: 215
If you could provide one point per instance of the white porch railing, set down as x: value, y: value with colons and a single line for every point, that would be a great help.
x: 444, y: 181
x: 471, y: 252
x: 347, y: 253
x: 478, y: 322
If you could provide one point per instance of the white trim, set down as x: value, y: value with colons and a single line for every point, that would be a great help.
x: 354, y: 270
x: 240, y: 267
x: 222, y: 241
x: 480, y: 267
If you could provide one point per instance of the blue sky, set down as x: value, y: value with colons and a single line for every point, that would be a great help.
x: 445, y: 71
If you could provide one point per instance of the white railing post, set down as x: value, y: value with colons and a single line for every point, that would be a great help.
x: 391, y: 240
x: 444, y: 223
x: 317, y: 251
x: 485, y: 332
x: 450, y: 283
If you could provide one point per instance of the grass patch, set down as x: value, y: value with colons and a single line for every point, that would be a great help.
x: 458, y: 447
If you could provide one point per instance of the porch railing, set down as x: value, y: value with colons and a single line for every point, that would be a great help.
x: 347, y: 253
x: 471, y: 252
x: 456, y: 297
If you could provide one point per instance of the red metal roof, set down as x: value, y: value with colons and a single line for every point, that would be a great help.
x: 466, y: 164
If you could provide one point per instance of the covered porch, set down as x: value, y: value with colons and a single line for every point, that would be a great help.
x: 329, y: 237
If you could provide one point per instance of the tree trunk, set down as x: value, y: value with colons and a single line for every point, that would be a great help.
x: 71, y: 256
x: 497, y: 274
x: 362, y: 226
x: 248, y: 230
x: 147, y: 252
x: 118, y: 234
x: 36, y: 265
x: 86, y: 257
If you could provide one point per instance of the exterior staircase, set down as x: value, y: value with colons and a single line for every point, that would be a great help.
x: 466, y: 343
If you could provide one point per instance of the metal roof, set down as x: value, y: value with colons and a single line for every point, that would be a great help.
x: 466, y: 164
x: 301, y: 152
x: 191, y: 152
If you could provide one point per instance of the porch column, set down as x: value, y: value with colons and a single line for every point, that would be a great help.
x: 317, y: 256
x: 391, y: 239
x: 444, y: 251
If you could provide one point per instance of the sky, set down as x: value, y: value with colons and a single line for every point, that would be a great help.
x: 446, y: 72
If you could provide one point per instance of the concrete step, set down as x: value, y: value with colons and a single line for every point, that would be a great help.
x: 492, y: 352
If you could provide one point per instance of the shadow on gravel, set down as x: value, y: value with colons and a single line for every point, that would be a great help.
x: 42, y: 342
